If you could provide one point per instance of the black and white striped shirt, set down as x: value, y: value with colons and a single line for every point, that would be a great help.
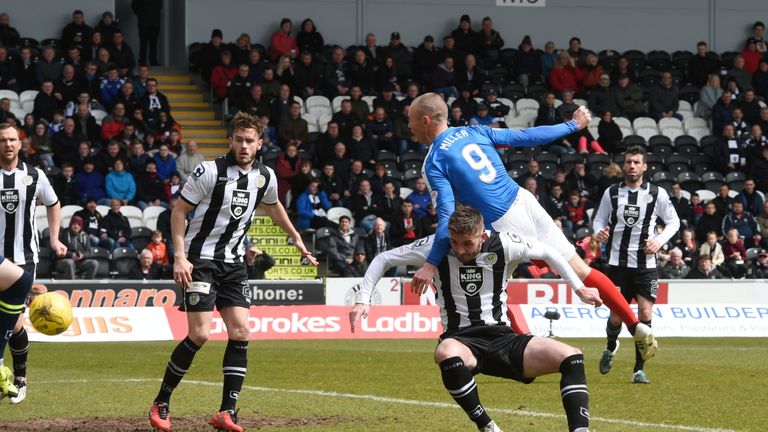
x: 20, y: 191
x: 475, y: 293
x: 631, y: 215
x: 225, y: 197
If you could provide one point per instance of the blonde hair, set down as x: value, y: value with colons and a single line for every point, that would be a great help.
x: 465, y: 220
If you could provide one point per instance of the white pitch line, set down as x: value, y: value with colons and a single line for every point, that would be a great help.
x: 406, y: 402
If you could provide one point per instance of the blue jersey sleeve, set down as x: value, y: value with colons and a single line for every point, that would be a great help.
x: 530, y: 137
x: 444, y: 202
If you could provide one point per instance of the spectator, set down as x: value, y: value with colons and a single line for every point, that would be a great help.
x: 710, y: 221
x: 429, y: 221
x: 283, y: 43
x: 45, y: 102
x: 210, y: 55
x: 65, y: 186
x: 107, y: 26
x: 241, y: 49
x: 603, y: 97
x: 120, y: 183
x: 387, y: 75
x: 65, y: 143
x: 257, y: 104
x: 281, y: 105
x: 762, y: 218
x: 737, y: 73
x: 138, y: 158
x: 148, y: 19
x: 713, y: 249
x: 757, y: 37
x: 188, y: 160
x: 676, y: 267
x: 443, y: 79
x: 701, y: 65
x: 222, y: 74
x: 697, y: 208
x: 565, y: 74
x: 387, y: 206
x: 744, y: 223
x: 287, y: 167
x: 106, y: 157
x: 735, y: 254
x: 92, y: 225
x: 583, y: 181
x: 466, y: 39
x: 576, y: 211
x: 147, y: 268
x: 372, y: 51
x: 420, y: 197
x: 380, y: 178
x: 117, y: 226
x: 629, y: 98
x: 301, y: 180
x: 307, y: 78
x: 548, y: 115
x: 406, y: 227
x: 336, y: 74
x: 47, y: 67
x: 361, y: 147
x: 25, y: 70
x: 681, y: 204
x: 356, y: 175
x: 309, y: 39
x: 42, y: 145
x: 311, y: 207
x: 9, y: 36
x: 688, y: 246
x: 610, y: 135
x: 555, y: 201
x: 343, y: 244
x: 154, y: 103
x: 361, y: 73
x: 400, y: 53
x: 361, y: 204
x: 548, y: 57
x: 345, y: 118
x: 722, y: 112
x: 750, y: 106
x: 359, y: 106
x: 470, y: 75
x: 730, y: 153
x: 526, y: 63
x: 294, y: 128
x: 122, y: 55
x: 359, y: 262
x: 74, y: 261
x: 238, y: 88
x: 484, y: 117
x: 741, y: 128
x: 466, y: 102
x: 150, y: 187
x: 489, y: 43
x: 457, y: 117
x: 284, y: 71
x: 496, y: 108
x: 341, y: 163
x: 257, y: 262
x: 8, y: 79
x: 378, y: 241
x: 76, y: 33
x: 751, y: 57
x: 67, y: 87
x: 381, y: 131
x: 85, y: 124
x: 166, y: 163
x: 752, y: 201
x: 90, y: 183
x: 173, y: 186
x: 709, y: 95
x: 110, y: 86
x: 758, y: 268
x: 590, y: 247
x: 112, y: 125
x: 127, y: 96
x: 326, y: 143
x: 158, y: 249
x: 592, y: 72
x: 663, y: 101
x: 425, y: 60
x: 704, y: 270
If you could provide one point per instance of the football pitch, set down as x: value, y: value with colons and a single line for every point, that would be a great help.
x: 389, y: 386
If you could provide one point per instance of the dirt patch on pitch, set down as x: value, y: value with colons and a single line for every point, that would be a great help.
x: 135, y: 424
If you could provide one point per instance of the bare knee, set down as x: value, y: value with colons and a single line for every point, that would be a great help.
x: 198, y: 337
x: 452, y: 348
x: 238, y: 333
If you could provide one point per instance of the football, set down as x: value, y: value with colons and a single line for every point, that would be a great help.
x: 50, y: 313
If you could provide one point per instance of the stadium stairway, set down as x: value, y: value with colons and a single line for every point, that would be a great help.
x: 190, y: 108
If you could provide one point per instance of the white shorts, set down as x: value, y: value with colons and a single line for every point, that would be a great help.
x: 528, y: 218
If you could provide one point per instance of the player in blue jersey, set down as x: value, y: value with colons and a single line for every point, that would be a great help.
x: 462, y: 165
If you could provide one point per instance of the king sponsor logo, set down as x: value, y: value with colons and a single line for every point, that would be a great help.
x: 470, y: 279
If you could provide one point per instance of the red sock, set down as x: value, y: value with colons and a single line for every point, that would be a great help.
x: 611, y: 297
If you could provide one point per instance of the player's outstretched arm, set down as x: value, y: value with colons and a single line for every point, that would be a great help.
x: 534, y: 136
x: 280, y: 218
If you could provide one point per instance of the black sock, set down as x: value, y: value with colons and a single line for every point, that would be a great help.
x: 459, y: 382
x: 181, y: 359
x: 574, y: 392
x: 11, y: 306
x: 613, y: 334
x: 19, y: 347
x: 639, y: 362
x: 234, y: 366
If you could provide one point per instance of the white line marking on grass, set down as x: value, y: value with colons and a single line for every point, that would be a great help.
x: 406, y: 402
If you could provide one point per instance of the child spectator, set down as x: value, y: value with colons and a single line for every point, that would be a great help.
x: 577, y: 210
x: 158, y: 248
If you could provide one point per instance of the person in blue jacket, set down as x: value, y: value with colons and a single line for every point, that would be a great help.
x: 462, y: 165
x: 120, y: 183
x: 311, y: 207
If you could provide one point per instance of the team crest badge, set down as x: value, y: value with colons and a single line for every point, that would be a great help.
x: 27, y: 180
x: 239, y: 204
x: 9, y: 199
x: 194, y: 299
x: 631, y: 215
x: 470, y: 279
x: 490, y: 258
x: 260, y: 181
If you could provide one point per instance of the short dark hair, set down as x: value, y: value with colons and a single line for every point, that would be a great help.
x: 636, y: 150
x: 243, y: 120
x: 465, y: 220
x: 758, y: 24
x: 701, y: 43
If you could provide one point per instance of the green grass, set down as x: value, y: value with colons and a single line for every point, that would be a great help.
x: 696, y: 383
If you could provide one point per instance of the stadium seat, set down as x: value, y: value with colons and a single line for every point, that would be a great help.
x: 102, y: 257
x: 712, y: 181
x: 318, y: 104
x: 672, y: 132
x: 123, y: 261
x: 695, y: 123
x: 310, y: 119
x: 102, y: 209
x: 98, y: 115
x: 410, y: 176
x: 515, y: 173
x: 660, y: 144
x: 567, y: 161
x: 598, y: 159
x: 28, y: 95
x: 270, y: 158
x: 633, y: 140
x: 546, y: 157
x: 141, y: 237
x: 647, y: 132
x: 689, y: 93
x: 517, y: 166
x: 517, y: 123
x: 405, y: 191
x: 663, y: 179
x: 10, y: 94
x: 334, y: 213
x: 411, y: 157
x: 369, y: 100
x: 659, y: 60
x: 386, y: 155
x: 752, y: 253
x: 336, y: 104
x: 66, y: 214
x: 322, y: 122
x: 698, y: 133
x: 41, y: 217
x: 677, y: 163
x: 706, y: 195
x: 134, y: 215
x: 736, y: 180
x: 689, y: 181
x: 19, y: 113
x: 583, y: 232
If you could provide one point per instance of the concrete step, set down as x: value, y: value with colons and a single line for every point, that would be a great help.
x: 199, y: 123
x: 205, y: 133
x: 180, y: 116
x: 193, y: 105
x: 172, y: 79
x: 180, y: 87
x: 221, y: 141
x: 175, y: 97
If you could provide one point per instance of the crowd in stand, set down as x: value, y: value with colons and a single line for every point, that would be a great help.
x: 364, y: 157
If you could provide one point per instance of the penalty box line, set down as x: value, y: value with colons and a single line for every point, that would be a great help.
x: 412, y: 402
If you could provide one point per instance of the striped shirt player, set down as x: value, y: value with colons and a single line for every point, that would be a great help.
x: 626, y: 219
x: 21, y: 189
x: 225, y: 198
x: 471, y: 292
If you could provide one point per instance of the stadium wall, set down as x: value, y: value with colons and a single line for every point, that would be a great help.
x: 601, y: 24
x: 43, y: 19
